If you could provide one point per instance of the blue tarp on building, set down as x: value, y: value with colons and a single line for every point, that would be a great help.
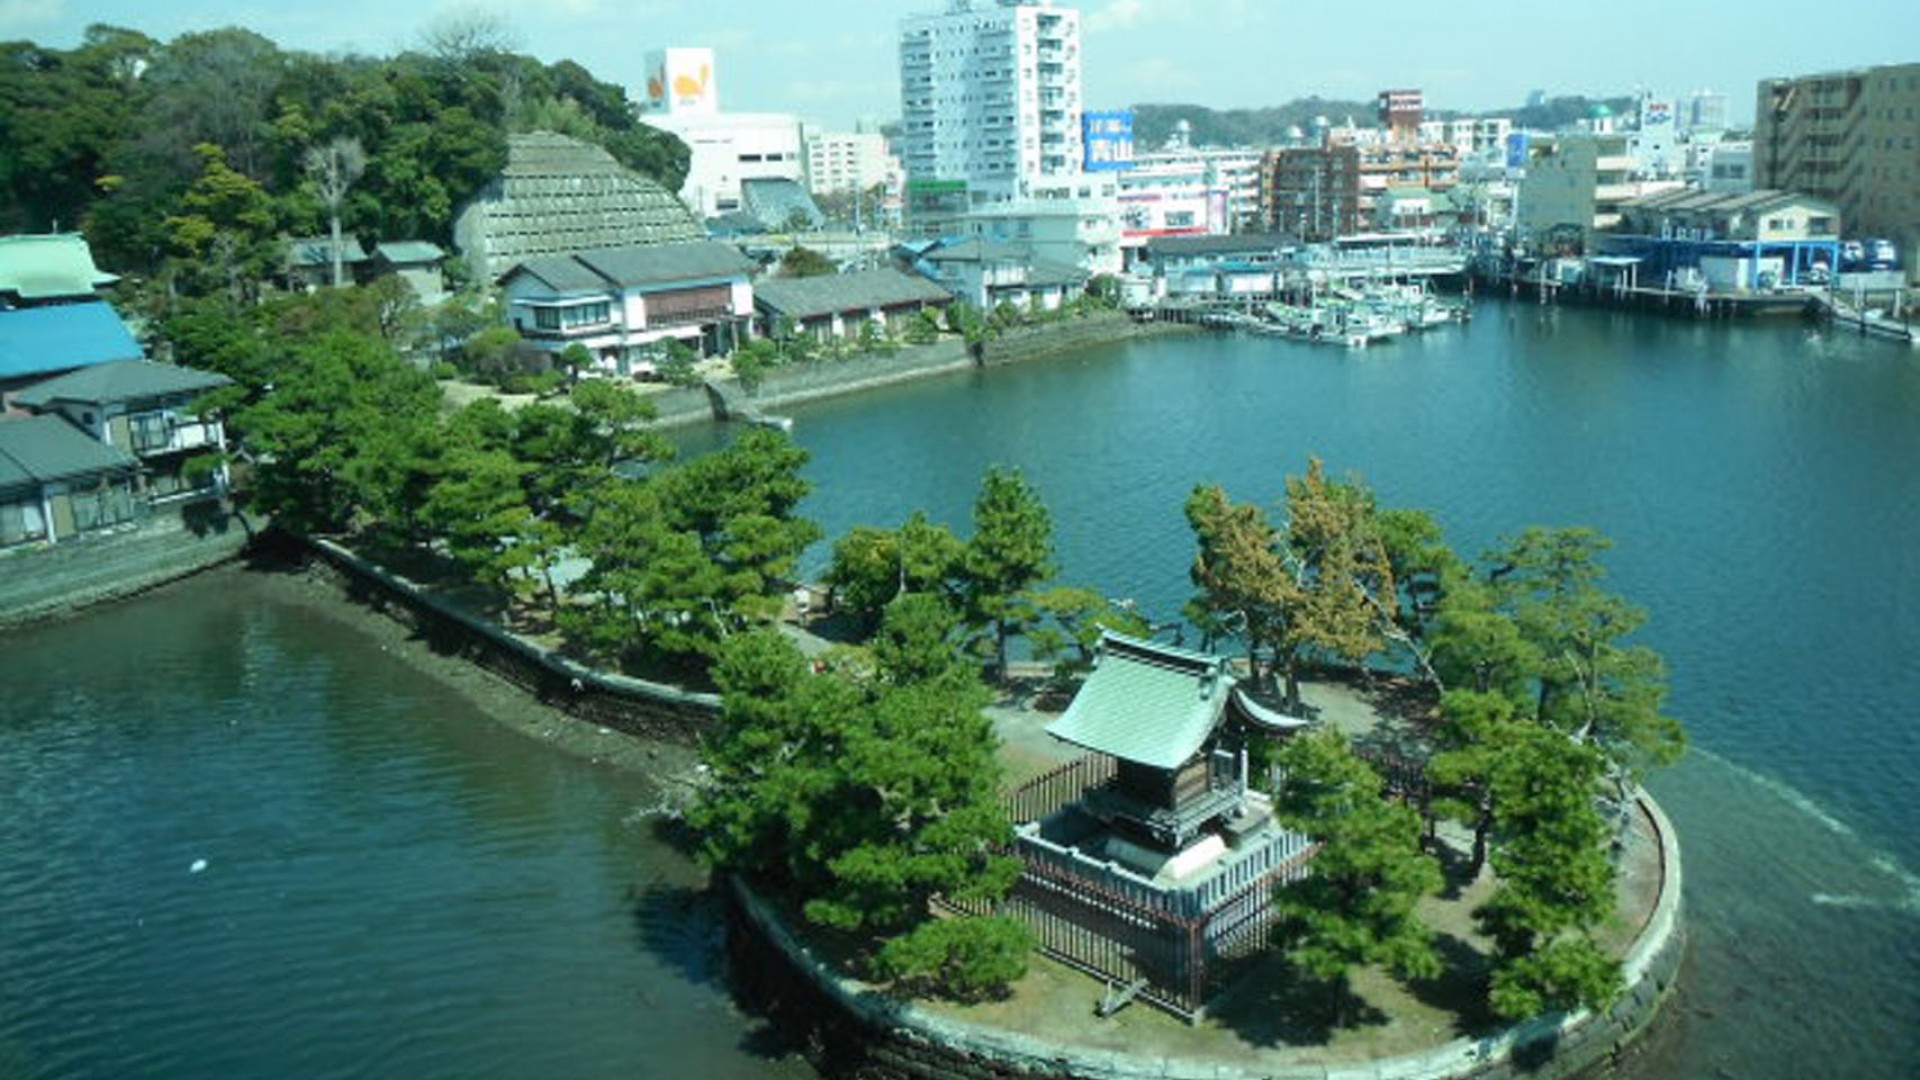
x: 43, y: 340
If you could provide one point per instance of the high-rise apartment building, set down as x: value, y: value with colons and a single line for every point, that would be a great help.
x: 1853, y: 138
x: 990, y: 98
x: 840, y: 162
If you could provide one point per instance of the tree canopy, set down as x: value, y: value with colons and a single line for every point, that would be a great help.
x: 863, y: 801
x: 1357, y: 905
x: 108, y: 137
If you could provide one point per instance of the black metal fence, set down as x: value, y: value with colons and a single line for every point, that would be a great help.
x: 1138, y: 938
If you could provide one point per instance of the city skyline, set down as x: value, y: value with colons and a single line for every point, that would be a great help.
x: 842, y: 64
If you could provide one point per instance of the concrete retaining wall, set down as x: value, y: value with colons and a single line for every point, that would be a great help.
x: 852, y: 1030
x: 171, y: 543
x: 830, y: 378
x: 633, y: 706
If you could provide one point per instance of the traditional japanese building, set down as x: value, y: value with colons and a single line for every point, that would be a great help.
x: 1152, y: 861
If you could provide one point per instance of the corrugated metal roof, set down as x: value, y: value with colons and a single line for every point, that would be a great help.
x: 801, y: 298
x: 317, y: 251
x: 1236, y: 244
x: 49, y: 267
x: 43, y: 340
x: 978, y: 249
x: 119, y: 380
x: 40, y: 449
x: 1147, y: 703
x: 410, y: 251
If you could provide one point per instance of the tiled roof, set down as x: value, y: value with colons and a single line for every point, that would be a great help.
x: 1047, y: 272
x: 636, y: 265
x: 49, y: 267
x: 42, y: 340
x: 828, y: 294
x: 119, y: 380
x: 1147, y: 703
x: 40, y: 449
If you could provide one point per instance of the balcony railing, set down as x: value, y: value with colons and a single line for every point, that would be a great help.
x: 165, y: 434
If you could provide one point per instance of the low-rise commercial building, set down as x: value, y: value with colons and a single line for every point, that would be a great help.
x: 1080, y: 232
x: 1576, y: 185
x: 1334, y: 189
x: 1756, y: 242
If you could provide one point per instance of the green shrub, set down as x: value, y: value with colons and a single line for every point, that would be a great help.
x: 966, y: 960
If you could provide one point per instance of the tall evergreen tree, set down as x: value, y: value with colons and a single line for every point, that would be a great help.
x: 1357, y: 906
x: 1011, y: 551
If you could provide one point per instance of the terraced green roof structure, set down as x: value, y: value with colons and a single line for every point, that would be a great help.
x: 558, y: 195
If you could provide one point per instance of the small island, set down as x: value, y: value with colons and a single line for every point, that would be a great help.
x: 1444, y: 854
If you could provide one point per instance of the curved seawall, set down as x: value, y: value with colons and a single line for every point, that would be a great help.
x: 853, y: 1029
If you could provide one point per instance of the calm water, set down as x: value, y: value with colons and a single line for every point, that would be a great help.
x: 394, y: 889
x: 390, y: 886
x: 1762, y: 486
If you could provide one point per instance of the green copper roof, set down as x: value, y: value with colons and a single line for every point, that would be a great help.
x: 1147, y: 703
x: 48, y: 267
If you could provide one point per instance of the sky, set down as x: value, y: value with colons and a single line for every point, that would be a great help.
x: 833, y: 62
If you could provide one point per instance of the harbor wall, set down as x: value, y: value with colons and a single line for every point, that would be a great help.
x: 851, y: 1029
x: 172, y: 542
x: 815, y: 380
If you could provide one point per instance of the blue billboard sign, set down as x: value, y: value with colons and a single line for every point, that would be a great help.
x: 1516, y: 151
x: 1108, y: 137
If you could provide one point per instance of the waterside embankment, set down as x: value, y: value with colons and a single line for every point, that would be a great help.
x: 814, y: 381
x: 55, y: 580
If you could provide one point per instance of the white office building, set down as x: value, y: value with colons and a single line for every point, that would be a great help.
x: 990, y: 97
x: 683, y: 97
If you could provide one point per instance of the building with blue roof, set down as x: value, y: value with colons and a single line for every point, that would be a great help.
x: 39, y: 342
